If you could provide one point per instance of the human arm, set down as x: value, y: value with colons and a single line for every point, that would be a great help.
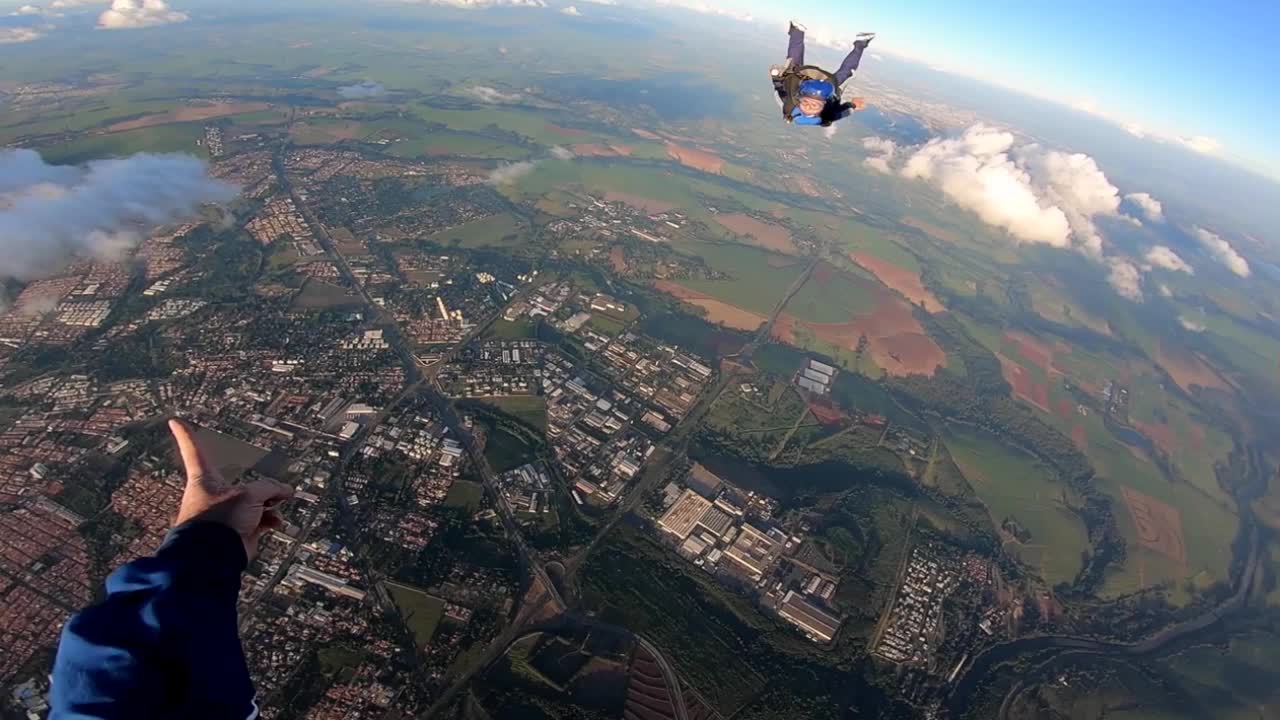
x: 164, y: 641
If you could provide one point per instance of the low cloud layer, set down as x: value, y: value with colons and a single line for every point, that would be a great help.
x: 11, y: 35
x: 493, y: 96
x: 511, y: 172
x: 571, y: 11
x: 1037, y: 195
x: 562, y: 153
x: 1151, y: 208
x: 1126, y: 278
x: 134, y: 14
x: 52, y: 214
x: 1194, y: 326
x: 1223, y: 252
x: 362, y: 90
x: 481, y: 4
x: 1164, y: 257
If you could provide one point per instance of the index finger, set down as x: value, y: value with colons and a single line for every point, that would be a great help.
x: 197, y: 468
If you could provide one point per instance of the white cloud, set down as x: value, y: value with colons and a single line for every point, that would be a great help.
x: 1075, y: 183
x: 977, y: 172
x: 571, y: 11
x: 1223, y: 252
x: 562, y: 153
x: 1166, y: 291
x: 510, y: 172
x: 10, y: 36
x: 481, y: 4
x: 1150, y: 207
x: 1200, y: 143
x: 708, y: 8
x: 70, y: 4
x: 1164, y: 257
x: 28, y: 10
x: 133, y: 14
x: 52, y: 214
x: 1192, y: 325
x: 602, y: 2
x: 493, y: 96
x: 1037, y: 195
x: 1086, y: 105
x: 883, y: 151
x: 1125, y: 278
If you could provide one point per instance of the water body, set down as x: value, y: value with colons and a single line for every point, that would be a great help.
x: 902, y: 129
x: 788, y: 483
x: 674, y: 96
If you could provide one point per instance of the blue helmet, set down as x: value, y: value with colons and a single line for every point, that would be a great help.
x: 820, y: 89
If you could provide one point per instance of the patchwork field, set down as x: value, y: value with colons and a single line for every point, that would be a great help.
x: 904, y: 280
x: 502, y: 230
x: 1015, y: 486
x: 758, y: 279
x: 840, y: 309
x: 717, y: 311
x: 188, y: 113
x: 764, y: 234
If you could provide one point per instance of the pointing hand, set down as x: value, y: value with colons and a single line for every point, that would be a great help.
x: 251, y: 510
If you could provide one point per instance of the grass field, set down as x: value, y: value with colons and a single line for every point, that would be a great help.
x: 843, y: 296
x: 320, y: 295
x: 447, y: 142
x: 758, y: 279
x: 180, y: 137
x: 465, y: 495
x: 505, y: 451
x: 501, y: 230
x: 779, y: 359
x: 421, y: 612
x: 1239, y: 683
x: 503, y: 329
x: 1207, y: 526
x: 528, y: 409
x: 1016, y: 486
x: 605, y: 325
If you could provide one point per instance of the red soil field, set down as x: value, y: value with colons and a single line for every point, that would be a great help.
x: 1033, y: 350
x: 896, y: 340
x: 766, y: 235
x: 1159, y: 525
x: 568, y: 132
x: 694, y: 158
x: 1159, y: 433
x: 618, y: 258
x: 718, y: 311
x: 901, y: 279
x: 1080, y: 437
x: 1024, y: 387
x: 190, y: 113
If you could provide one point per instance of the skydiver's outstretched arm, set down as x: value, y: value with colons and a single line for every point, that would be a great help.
x: 851, y: 62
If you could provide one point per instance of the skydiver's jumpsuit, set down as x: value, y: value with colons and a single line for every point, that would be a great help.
x: 835, y: 109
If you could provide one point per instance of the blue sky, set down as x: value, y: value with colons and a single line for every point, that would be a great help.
x: 1178, y: 68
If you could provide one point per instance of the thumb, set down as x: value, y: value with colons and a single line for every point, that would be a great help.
x: 267, y: 493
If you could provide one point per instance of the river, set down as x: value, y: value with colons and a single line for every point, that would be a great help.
x: 962, y: 694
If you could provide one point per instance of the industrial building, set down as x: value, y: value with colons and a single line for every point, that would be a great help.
x: 814, y: 622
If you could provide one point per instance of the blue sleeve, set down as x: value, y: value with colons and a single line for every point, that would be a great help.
x: 165, y: 641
